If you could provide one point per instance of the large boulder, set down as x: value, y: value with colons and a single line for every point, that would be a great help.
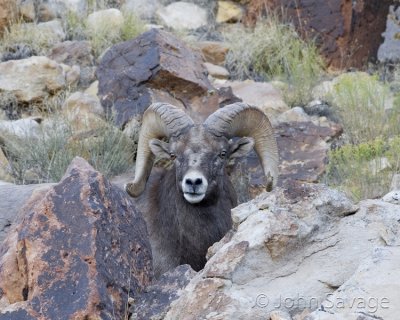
x: 347, y: 32
x: 292, y: 249
x: 154, y: 67
x: 35, y: 78
x: 78, y: 250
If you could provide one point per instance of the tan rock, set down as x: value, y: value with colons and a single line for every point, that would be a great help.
x: 260, y: 94
x: 84, y: 112
x: 93, y: 89
x: 33, y: 78
x: 213, y: 51
x: 108, y: 20
x: 183, y: 15
x: 292, y: 251
x: 4, y: 168
x: 8, y: 12
x: 27, y: 10
x: 229, y: 11
x: 216, y: 71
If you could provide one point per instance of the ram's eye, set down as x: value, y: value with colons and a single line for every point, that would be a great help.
x: 222, y: 154
x: 172, y: 156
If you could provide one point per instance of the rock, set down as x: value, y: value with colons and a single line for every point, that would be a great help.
x: 73, y: 53
x: 389, y: 51
x: 93, y: 89
x: 34, y: 78
x: 261, y: 94
x: 76, y: 53
x: 84, y: 112
x: 144, y: 9
x: 303, y: 149
x: 52, y: 9
x: 13, y: 198
x: 155, y: 66
x: 7, y: 13
x: 183, y: 15
x: 295, y: 114
x: 108, y: 20
x: 4, y: 170
x: 395, y: 185
x: 303, y: 153
x: 26, y: 10
x: 370, y: 292
x: 52, y: 29
x: 22, y: 128
x: 348, y: 32
x: 215, y: 71
x: 290, y: 250
x: 213, y: 52
x: 157, y: 298
x: 78, y: 250
x: 321, y: 109
x: 228, y: 11
x: 392, y: 197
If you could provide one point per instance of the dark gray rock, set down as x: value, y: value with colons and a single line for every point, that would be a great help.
x: 156, y: 299
x: 78, y: 250
x: 154, y: 67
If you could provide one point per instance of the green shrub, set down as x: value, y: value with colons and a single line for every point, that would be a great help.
x: 45, y: 158
x: 364, y: 170
x: 274, y: 51
x: 365, y: 106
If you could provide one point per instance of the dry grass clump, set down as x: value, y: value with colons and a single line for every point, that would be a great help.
x: 28, y: 39
x: 274, y: 51
x: 45, y: 157
x: 103, y: 36
x: 366, y: 107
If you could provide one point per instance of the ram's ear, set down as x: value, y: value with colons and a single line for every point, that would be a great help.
x: 241, y: 147
x: 159, y: 148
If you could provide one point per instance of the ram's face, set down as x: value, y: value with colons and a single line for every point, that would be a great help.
x: 200, y: 159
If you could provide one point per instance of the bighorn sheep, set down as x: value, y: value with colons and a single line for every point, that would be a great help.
x: 187, y: 208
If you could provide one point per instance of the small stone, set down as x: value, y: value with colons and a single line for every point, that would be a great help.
x: 108, y: 20
x: 213, y: 51
x: 395, y: 185
x: 229, y: 11
x: 183, y: 15
x: 392, y: 197
x: 216, y: 71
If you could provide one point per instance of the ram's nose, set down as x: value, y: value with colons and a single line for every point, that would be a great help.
x: 194, y: 186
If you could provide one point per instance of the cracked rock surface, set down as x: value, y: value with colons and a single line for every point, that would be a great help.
x: 289, y: 251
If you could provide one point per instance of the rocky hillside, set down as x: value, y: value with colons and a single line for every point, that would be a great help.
x: 75, y: 79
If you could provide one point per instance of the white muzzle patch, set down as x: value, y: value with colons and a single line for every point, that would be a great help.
x: 194, y: 186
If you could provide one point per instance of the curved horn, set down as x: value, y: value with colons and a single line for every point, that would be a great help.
x: 240, y: 119
x: 159, y: 120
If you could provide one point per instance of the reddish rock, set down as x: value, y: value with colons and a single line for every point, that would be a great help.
x: 303, y: 151
x: 347, y: 32
x: 154, y: 67
x: 77, y: 251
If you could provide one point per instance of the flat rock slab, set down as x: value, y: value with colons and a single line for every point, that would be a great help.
x: 77, y: 251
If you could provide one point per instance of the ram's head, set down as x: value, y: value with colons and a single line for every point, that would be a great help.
x: 201, y: 152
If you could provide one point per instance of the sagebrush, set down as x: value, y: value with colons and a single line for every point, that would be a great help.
x: 274, y: 51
